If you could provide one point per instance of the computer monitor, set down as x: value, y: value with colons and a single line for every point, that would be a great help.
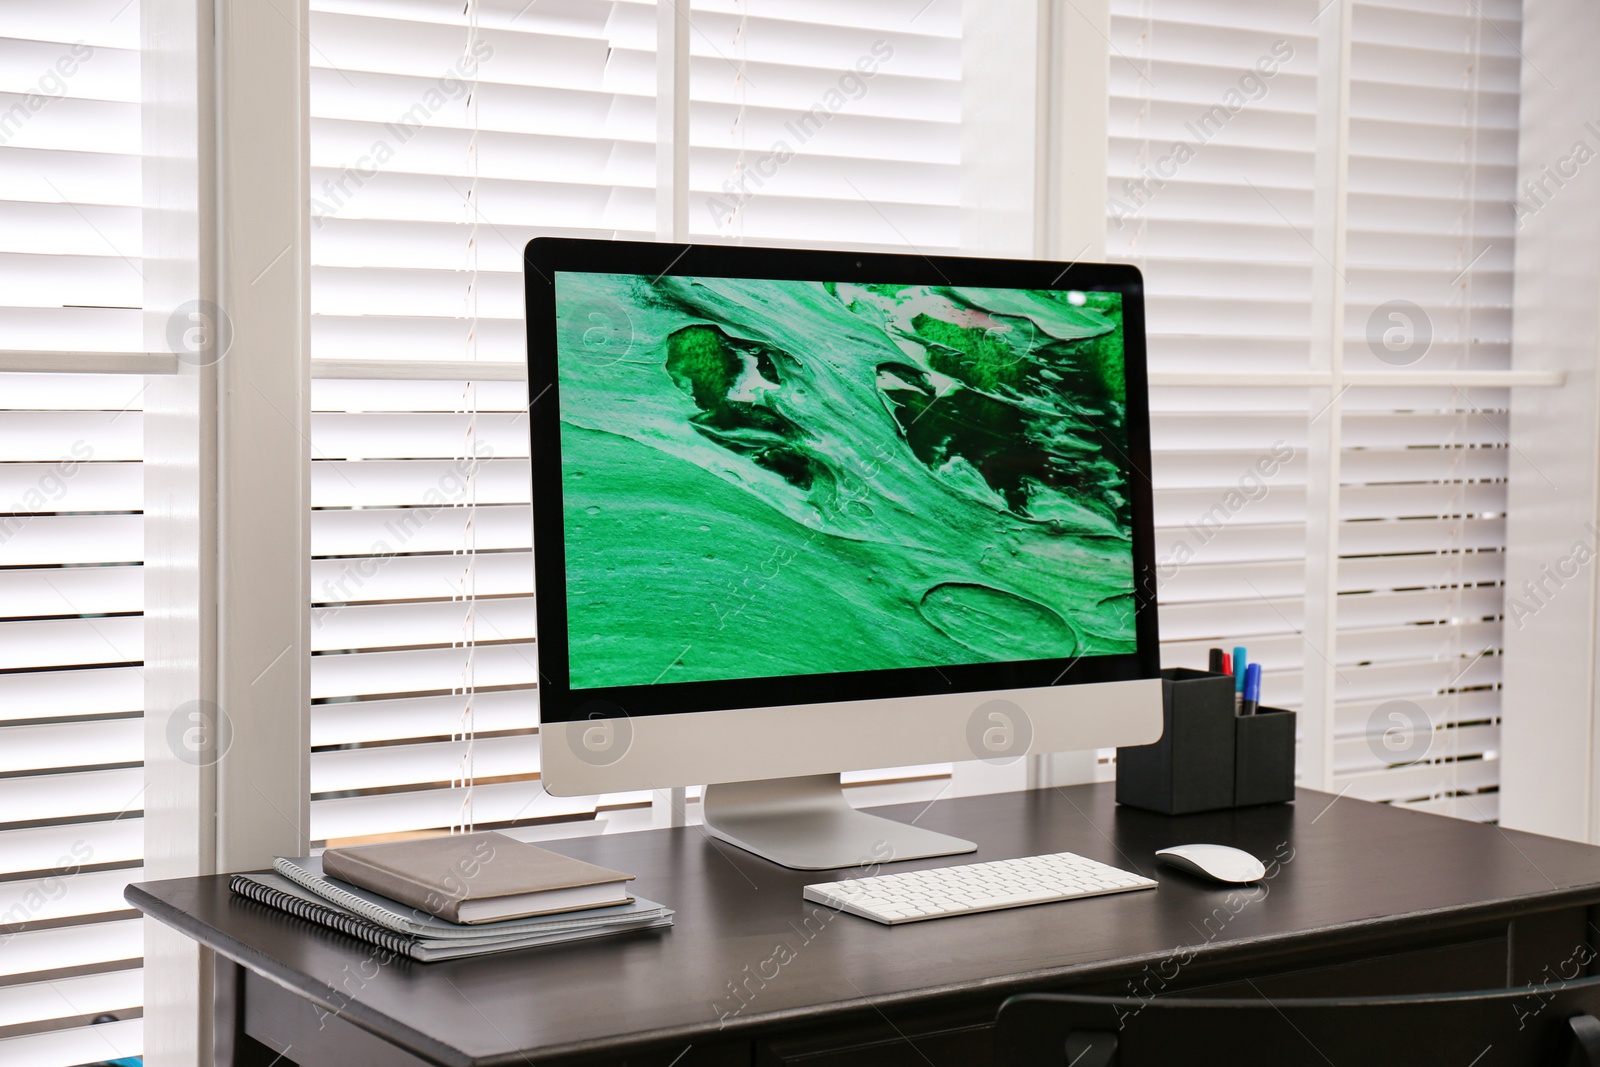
x: 804, y: 512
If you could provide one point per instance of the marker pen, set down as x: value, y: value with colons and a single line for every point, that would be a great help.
x: 1252, y: 690
x: 1241, y: 661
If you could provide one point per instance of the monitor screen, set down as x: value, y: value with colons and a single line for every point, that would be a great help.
x: 776, y: 478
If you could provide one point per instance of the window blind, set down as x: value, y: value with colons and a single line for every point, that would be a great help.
x: 443, y: 142
x: 1434, y: 90
x: 443, y: 139
x: 1210, y: 176
x: 69, y: 219
x: 1211, y: 191
x: 71, y: 543
x: 826, y: 124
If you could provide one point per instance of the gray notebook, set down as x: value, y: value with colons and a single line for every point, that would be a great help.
x: 306, y: 872
x: 478, y: 877
x: 278, y: 892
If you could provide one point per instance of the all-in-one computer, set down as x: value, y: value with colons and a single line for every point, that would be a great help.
x: 804, y: 512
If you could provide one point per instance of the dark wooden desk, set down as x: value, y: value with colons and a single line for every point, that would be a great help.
x: 1368, y: 899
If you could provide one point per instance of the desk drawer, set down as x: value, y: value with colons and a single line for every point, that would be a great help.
x: 1463, y: 967
x: 964, y: 1046
x: 963, y: 1036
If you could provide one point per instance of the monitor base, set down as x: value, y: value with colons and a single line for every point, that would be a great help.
x: 807, y: 824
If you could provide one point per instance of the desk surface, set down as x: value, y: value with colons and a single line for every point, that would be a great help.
x: 1354, y: 866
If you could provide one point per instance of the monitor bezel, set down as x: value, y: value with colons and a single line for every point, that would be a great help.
x: 544, y: 257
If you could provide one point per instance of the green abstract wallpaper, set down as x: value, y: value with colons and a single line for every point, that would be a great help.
x: 770, y: 478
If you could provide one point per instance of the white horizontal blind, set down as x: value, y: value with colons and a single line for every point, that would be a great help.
x: 832, y: 125
x: 71, y: 701
x: 555, y: 137
x: 71, y: 538
x: 828, y: 124
x: 1209, y: 191
x: 1217, y: 207
x: 69, y: 190
x: 1433, y: 152
x: 431, y: 171
x: 444, y: 137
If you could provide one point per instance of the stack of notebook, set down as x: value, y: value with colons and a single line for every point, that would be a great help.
x: 440, y: 898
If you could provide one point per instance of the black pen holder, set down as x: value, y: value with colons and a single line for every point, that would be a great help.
x: 1208, y: 758
x: 1263, y: 758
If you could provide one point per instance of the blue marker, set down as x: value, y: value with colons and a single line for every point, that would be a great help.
x: 1252, y: 690
x: 1240, y: 659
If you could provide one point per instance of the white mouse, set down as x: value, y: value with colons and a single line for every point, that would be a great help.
x: 1217, y: 862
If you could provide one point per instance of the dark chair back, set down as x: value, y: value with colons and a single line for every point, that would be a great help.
x: 1547, y: 1026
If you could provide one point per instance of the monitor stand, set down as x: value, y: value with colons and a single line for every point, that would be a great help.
x: 806, y: 823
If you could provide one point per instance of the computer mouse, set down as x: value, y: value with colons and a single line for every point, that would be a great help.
x: 1220, y: 863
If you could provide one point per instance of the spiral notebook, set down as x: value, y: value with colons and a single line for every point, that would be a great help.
x: 307, y: 873
x: 280, y: 893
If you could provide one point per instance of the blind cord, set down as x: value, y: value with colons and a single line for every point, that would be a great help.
x: 467, y: 589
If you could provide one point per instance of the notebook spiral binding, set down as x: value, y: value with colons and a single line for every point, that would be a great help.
x: 305, y: 909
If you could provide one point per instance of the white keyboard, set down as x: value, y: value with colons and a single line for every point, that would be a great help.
x: 974, y: 887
